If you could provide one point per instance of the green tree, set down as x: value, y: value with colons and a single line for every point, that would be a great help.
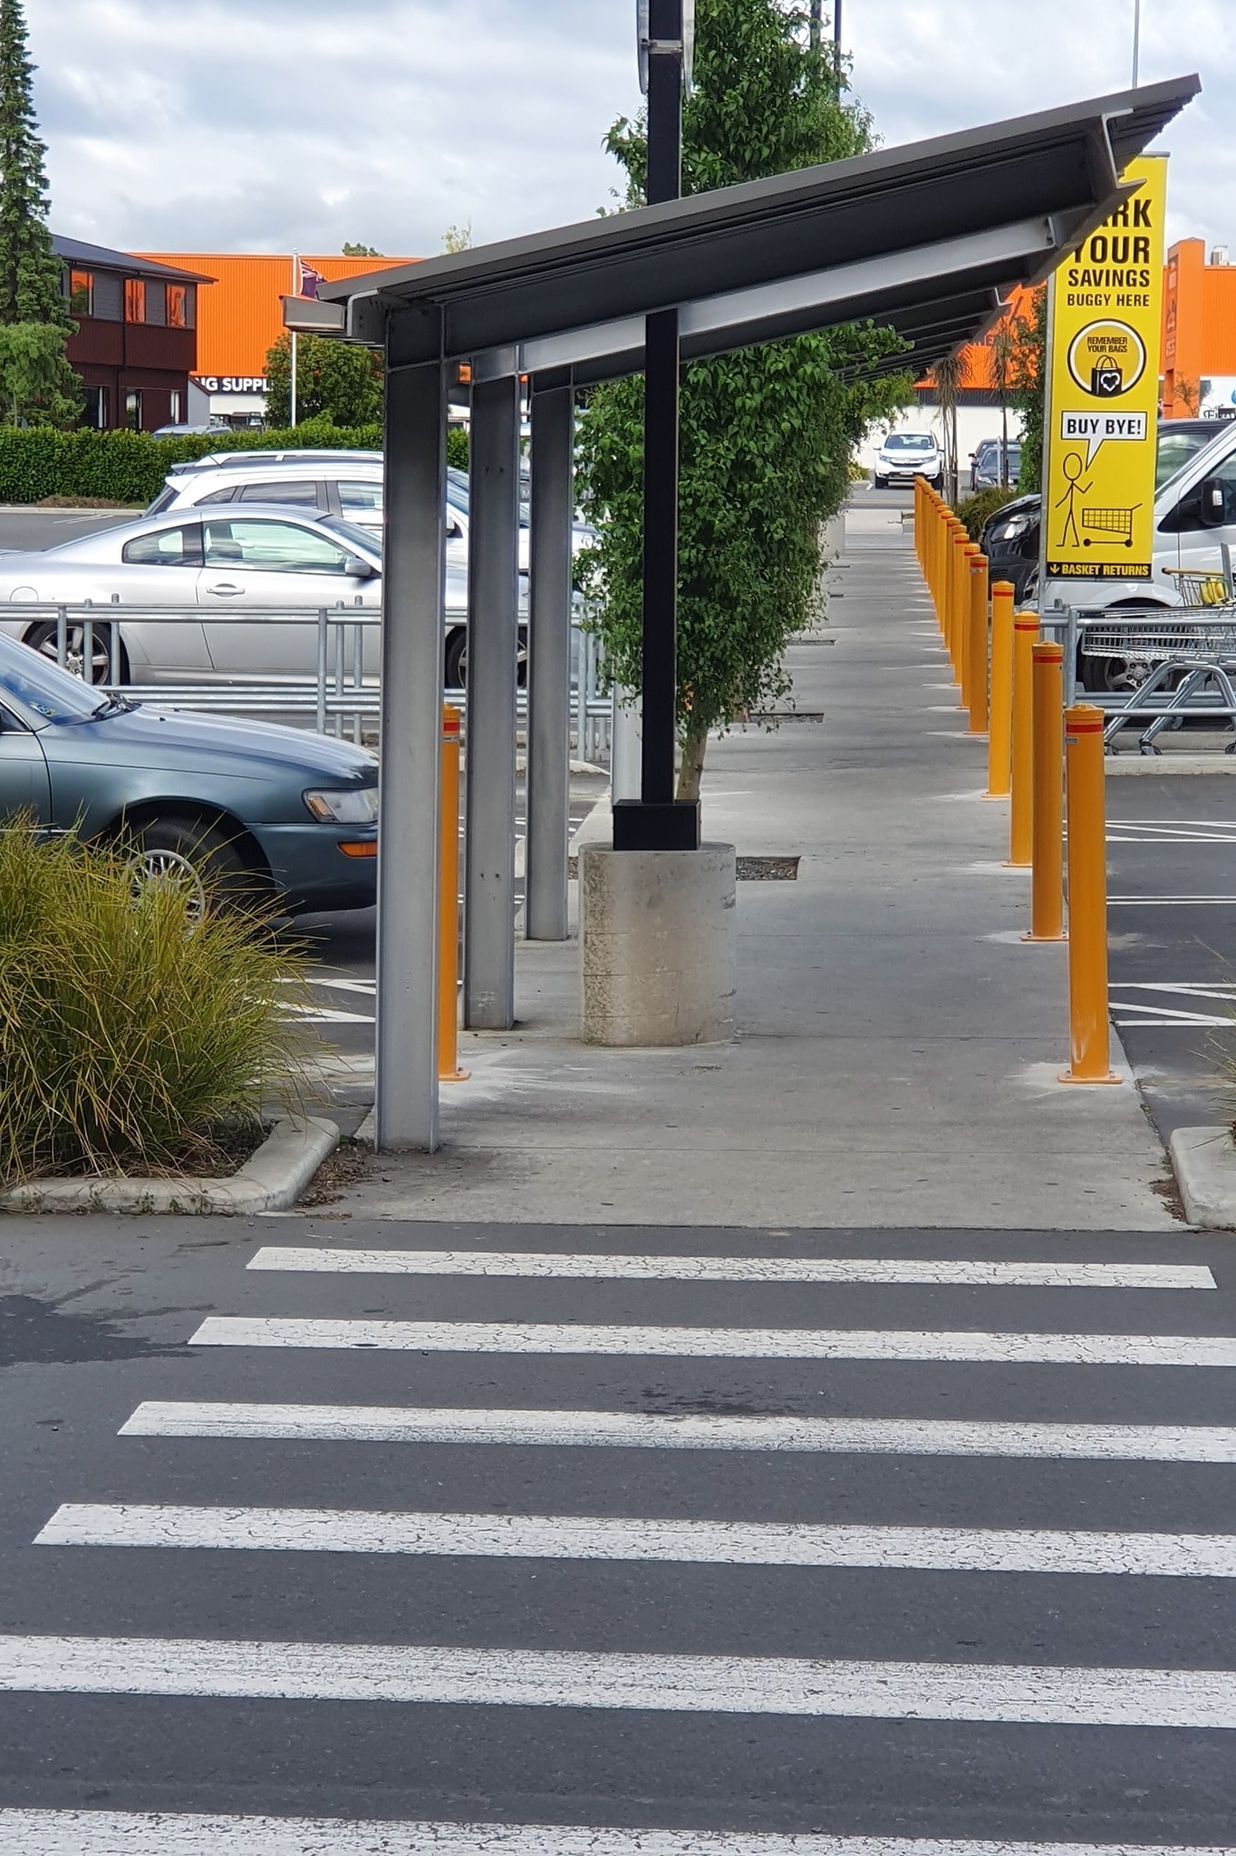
x: 457, y: 238
x: 334, y: 381
x: 362, y: 251
x: 31, y: 276
x: 32, y: 376
x: 767, y: 433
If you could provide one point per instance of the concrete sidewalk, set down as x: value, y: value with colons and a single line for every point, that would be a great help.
x: 899, y: 1046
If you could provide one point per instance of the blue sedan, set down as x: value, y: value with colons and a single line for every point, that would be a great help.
x: 234, y: 809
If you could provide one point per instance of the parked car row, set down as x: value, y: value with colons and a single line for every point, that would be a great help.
x: 215, y: 564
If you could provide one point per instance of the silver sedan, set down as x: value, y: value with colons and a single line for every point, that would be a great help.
x: 217, y: 572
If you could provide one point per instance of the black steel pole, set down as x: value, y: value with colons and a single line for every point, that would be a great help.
x: 656, y: 821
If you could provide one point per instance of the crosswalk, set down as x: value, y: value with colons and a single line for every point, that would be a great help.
x: 685, y: 1545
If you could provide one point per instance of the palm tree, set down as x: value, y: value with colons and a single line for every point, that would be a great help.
x: 946, y: 377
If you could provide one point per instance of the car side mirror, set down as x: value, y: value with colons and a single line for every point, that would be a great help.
x: 1212, y: 502
x: 358, y: 568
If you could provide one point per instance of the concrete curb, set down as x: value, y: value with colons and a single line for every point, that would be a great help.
x: 1160, y: 766
x: 272, y: 1180
x: 1204, y: 1161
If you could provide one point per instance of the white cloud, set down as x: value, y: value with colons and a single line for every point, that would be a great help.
x: 220, y: 124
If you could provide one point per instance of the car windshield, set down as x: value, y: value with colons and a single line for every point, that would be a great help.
x: 1175, y: 451
x: 908, y: 441
x: 40, y: 691
x: 358, y: 539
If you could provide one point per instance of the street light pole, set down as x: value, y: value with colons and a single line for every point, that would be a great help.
x: 656, y: 821
x: 1137, y: 37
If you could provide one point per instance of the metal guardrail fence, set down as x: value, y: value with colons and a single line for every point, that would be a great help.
x: 340, y: 695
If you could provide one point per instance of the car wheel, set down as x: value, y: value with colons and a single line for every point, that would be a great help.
x: 43, y: 639
x: 205, y: 860
x: 881, y: 483
x: 457, y: 660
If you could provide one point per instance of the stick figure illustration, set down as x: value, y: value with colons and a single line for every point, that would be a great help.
x: 1073, y: 467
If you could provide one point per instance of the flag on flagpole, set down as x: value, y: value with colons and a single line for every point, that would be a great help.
x: 309, y: 280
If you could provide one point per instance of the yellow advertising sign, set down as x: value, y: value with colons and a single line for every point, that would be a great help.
x: 1100, y: 433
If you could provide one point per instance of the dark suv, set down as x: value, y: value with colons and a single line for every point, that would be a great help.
x: 1010, y: 539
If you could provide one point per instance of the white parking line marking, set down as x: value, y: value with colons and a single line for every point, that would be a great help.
x: 411, y: 1424
x: 1203, y: 1699
x: 719, y: 1343
x: 602, y: 1537
x: 123, y: 1833
x: 605, y: 1267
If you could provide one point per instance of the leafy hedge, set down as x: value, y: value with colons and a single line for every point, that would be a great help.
x: 976, y: 511
x: 129, y: 467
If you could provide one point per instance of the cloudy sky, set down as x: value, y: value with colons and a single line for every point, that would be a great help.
x: 269, y: 125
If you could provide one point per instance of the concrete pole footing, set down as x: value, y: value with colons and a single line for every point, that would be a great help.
x: 657, y: 941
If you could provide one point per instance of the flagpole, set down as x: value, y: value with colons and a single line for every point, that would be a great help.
x: 295, y: 292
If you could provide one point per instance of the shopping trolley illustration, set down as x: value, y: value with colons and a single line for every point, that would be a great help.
x: 1111, y: 527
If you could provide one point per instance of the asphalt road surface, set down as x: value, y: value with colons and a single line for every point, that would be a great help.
x: 22, y: 530
x: 1172, y: 921
x: 892, y: 1536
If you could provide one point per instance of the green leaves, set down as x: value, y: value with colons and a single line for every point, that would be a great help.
x: 766, y: 434
x: 334, y: 381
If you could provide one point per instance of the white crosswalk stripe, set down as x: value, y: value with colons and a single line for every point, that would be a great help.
x: 120, y: 1833
x: 719, y: 1343
x: 604, y: 1266
x: 1204, y: 1699
x: 408, y: 1424
x: 591, y: 1537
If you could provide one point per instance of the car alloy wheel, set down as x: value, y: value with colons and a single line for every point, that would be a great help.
x: 43, y: 639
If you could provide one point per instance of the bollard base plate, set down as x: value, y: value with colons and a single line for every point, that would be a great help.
x: 454, y: 1076
x: 1054, y: 940
x: 1088, y: 1081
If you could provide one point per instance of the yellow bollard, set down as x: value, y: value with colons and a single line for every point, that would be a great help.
x: 1047, y: 875
x: 1000, y: 706
x: 1021, y: 811
x: 1087, y: 857
x: 960, y: 602
x: 970, y: 553
x: 977, y: 644
x: 448, y: 902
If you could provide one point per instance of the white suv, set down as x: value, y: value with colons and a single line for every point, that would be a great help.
x: 906, y: 455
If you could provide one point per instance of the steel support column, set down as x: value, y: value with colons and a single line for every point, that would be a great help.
x: 493, y: 643
x: 406, y: 1079
x: 549, y: 664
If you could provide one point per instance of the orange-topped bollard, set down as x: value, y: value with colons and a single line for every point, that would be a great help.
x: 1000, y: 703
x: 977, y: 644
x: 1047, y: 831
x: 960, y: 605
x: 969, y: 554
x: 1087, y: 866
x: 448, y: 902
x: 1021, y: 810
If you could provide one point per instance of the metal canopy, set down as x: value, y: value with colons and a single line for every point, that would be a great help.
x: 985, y: 209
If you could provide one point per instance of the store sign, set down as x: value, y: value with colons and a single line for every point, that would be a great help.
x: 230, y: 383
x: 1100, y: 437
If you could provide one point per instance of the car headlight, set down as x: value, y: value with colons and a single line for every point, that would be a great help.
x: 352, y: 805
x: 1010, y: 530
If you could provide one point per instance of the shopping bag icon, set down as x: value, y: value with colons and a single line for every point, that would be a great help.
x: 1106, y: 380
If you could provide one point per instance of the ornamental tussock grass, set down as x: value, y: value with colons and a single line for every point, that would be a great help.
x: 133, y: 1038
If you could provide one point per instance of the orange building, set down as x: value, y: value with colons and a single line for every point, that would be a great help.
x: 1199, y: 332
x: 240, y: 318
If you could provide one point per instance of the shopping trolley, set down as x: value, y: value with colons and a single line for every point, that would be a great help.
x: 1183, y: 653
x: 1112, y: 525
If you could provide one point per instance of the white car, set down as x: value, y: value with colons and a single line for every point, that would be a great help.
x: 347, y: 484
x: 906, y: 455
x: 220, y: 567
